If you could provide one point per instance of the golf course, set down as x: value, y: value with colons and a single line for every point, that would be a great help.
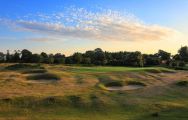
x: 70, y: 92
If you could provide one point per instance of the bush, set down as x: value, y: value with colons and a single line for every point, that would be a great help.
x: 45, y: 76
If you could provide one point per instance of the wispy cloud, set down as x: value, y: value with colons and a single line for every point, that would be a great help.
x: 79, y: 23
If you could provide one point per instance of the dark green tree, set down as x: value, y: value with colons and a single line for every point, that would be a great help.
x: 183, y: 53
x: 59, y: 58
x: 26, y: 56
x: 2, y: 57
x: 77, y: 58
x: 44, y: 57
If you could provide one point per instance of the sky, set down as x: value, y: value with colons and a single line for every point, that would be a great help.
x: 68, y: 26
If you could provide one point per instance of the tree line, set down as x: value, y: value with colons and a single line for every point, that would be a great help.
x: 100, y: 57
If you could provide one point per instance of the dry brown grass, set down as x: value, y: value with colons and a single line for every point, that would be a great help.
x: 13, y: 83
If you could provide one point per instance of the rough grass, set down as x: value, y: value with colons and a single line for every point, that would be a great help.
x: 33, y: 71
x: 44, y: 76
x: 135, y: 83
x: 182, y: 83
x: 119, y: 69
x: 21, y: 99
x: 22, y: 66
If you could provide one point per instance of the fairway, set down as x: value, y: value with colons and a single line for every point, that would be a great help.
x: 80, y: 93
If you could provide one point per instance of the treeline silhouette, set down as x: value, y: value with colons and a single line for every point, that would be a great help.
x: 100, y: 57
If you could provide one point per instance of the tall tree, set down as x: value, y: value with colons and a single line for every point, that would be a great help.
x: 44, y: 57
x: 8, y: 56
x: 99, y: 56
x: 59, y: 58
x: 16, y: 56
x: 163, y: 55
x: 26, y: 56
x: 77, y: 58
x: 2, y: 57
x: 36, y: 58
x: 183, y: 53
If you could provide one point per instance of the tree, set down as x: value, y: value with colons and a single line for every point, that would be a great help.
x: 133, y: 59
x: 69, y: 60
x: 36, y: 58
x: 44, y: 57
x: 176, y: 57
x: 26, y: 56
x: 163, y: 55
x: 2, y: 57
x: 99, y: 57
x: 51, y: 59
x: 86, y: 60
x: 16, y: 56
x: 8, y: 56
x: 90, y: 54
x: 59, y: 58
x: 183, y: 53
x: 77, y: 58
x: 151, y: 60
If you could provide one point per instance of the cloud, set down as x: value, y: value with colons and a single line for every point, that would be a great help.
x: 42, y: 39
x: 79, y: 23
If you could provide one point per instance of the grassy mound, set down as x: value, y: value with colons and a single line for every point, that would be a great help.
x: 159, y: 70
x: 44, y: 76
x: 33, y: 71
x: 135, y: 83
x: 182, y: 83
x: 23, y: 66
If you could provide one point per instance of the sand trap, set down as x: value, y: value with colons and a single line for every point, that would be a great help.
x: 124, y: 88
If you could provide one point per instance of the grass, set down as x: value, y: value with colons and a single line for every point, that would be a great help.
x: 22, y: 66
x: 135, y: 83
x: 74, y: 95
x: 118, y: 69
x: 33, y: 71
x: 182, y: 83
x: 44, y: 76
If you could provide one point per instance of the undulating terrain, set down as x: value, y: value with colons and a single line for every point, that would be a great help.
x: 58, y: 92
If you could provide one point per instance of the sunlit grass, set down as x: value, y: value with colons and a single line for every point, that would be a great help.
x: 81, y: 94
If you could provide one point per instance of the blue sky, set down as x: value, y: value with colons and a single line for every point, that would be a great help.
x: 30, y: 24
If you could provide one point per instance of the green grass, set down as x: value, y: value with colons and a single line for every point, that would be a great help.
x: 119, y: 69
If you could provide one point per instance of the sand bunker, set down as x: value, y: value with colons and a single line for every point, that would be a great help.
x: 124, y: 88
